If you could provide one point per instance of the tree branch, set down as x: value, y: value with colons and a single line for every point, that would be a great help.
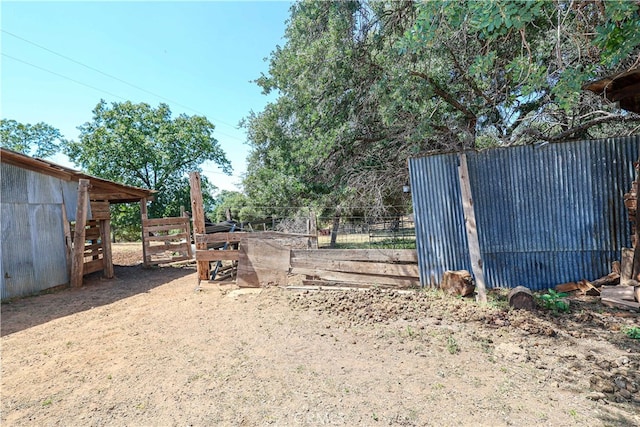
x: 580, y: 128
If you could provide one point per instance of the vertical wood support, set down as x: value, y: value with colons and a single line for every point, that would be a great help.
x: 472, y: 231
x: 313, y: 229
x: 77, y: 260
x: 144, y: 215
x: 197, y: 211
x: 107, y: 254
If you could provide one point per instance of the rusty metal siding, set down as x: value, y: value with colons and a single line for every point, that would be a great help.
x: 439, y: 219
x: 545, y: 214
x: 33, y: 256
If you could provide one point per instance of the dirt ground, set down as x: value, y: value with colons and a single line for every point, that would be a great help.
x: 148, y: 349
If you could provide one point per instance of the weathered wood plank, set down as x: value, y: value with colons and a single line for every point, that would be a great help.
x: 472, y: 231
x: 158, y: 249
x: 215, y: 255
x: 358, y: 278
x: 93, y: 266
x: 375, y: 268
x: 239, y: 235
x: 107, y: 253
x: 618, y: 292
x: 622, y: 304
x: 373, y: 255
x: 100, y: 210
x: 262, y: 262
x: 168, y: 238
x: 159, y: 228
x: 197, y: 211
x: 179, y: 221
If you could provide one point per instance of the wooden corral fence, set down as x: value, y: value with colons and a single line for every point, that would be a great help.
x: 384, y: 268
x: 94, y: 251
x: 166, y: 240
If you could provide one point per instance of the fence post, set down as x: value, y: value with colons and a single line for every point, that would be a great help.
x: 77, y: 261
x: 143, y: 217
x: 197, y: 214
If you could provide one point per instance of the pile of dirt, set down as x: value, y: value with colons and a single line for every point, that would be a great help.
x: 612, y: 378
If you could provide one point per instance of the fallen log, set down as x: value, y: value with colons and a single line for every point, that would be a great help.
x: 610, y: 279
x: 618, y: 292
x: 521, y: 298
x: 457, y: 283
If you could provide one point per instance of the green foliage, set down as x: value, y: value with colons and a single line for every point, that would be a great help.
x: 136, y: 144
x: 39, y: 140
x: 364, y: 85
x: 554, y: 301
x: 633, y: 332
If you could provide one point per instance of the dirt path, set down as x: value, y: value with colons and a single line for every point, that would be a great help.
x: 147, y: 349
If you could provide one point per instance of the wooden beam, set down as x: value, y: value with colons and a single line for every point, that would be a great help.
x: 107, y: 254
x: 77, y: 260
x: 216, y: 255
x: 68, y: 245
x: 472, y: 231
x: 361, y: 267
x: 197, y: 214
x: 143, y: 216
x: 372, y: 255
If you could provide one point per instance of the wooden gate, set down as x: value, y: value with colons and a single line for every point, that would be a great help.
x: 166, y: 240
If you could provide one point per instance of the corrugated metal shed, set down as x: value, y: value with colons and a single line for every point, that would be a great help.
x: 545, y: 215
x: 32, y: 244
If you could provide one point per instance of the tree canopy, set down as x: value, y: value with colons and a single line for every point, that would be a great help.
x: 143, y: 146
x: 364, y: 85
x: 39, y: 140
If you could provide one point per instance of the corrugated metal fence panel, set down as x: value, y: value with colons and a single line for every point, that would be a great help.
x: 17, y: 272
x: 545, y: 215
x: 439, y: 219
x: 33, y: 255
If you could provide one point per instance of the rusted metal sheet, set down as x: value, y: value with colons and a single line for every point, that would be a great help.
x: 545, y: 214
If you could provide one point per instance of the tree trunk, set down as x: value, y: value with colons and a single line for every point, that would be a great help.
x: 336, y: 225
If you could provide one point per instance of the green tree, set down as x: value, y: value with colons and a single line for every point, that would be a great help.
x: 139, y: 145
x: 363, y: 85
x: 39, y: 140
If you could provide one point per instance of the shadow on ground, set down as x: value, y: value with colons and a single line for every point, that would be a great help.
x: 96, y: 291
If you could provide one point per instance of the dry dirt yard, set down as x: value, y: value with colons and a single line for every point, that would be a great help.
x: 147, y: 349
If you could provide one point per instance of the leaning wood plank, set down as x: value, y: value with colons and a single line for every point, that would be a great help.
x: 377, y: 255
x: 472, y: 231
x: 197, y: 209
x: 358, y: 278
x: 618, y: 303
x: 77, y: 261
x: 262, y: 262
x: 215, y: 255
x: 378, y: 268
x: 618, y: 292
x: 567, y: 287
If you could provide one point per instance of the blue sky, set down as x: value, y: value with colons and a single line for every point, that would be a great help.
x: 198, y: 57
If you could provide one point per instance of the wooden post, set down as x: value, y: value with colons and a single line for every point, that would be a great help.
x: 197, y: 214
x: 77, y: 260
x: 313, y: 229
x: 107, y: 254
x: 144, y: 215
x: 472, y: 231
